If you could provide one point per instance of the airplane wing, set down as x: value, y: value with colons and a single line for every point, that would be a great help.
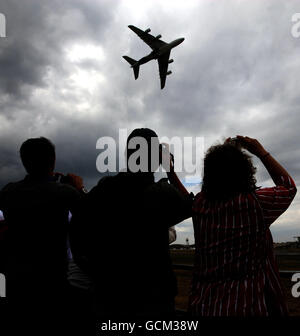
x: 152, y: 41
x: 163, y: 63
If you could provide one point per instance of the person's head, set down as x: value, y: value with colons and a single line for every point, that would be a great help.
x: 228, y: 170
x: 38, y: 156
x: 136, y: 152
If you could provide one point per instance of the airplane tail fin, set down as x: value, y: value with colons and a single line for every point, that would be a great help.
x: 134, y: 65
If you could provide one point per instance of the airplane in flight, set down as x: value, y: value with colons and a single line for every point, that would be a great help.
x: 160, y: 51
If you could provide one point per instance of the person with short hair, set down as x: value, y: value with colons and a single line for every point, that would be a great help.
x: 121, y: 237
x: 3, y: 247
x: 235, y: 269
x: 36, y: 213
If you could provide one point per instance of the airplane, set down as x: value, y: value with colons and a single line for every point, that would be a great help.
x: 160, y: 51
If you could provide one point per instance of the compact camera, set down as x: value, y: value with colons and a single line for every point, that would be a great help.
x: 65, y: 179
x: 235, y: 142
x: 164, y: 147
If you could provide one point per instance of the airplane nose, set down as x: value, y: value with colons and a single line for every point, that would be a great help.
x: 181, y: 40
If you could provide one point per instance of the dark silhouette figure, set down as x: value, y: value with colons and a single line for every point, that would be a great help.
x: 121, y: 240
x: 235, y: 269
x: 3, y: 247
x: 36, y: 213
x: 160, y: 51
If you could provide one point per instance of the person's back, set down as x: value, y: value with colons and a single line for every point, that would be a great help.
x: 129, y: 216
x: 235, y: 269
x: 230, y: 240
x: 36, y: 212
x: 3, y: 247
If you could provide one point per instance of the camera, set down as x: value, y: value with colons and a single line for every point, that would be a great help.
x: 164, y: 147
x: 60, y: 178
x: 235, y: 142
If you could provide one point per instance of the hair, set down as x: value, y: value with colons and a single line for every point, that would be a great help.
x: 38, y: 156
x: 151, y: 138
x: 228, y: 170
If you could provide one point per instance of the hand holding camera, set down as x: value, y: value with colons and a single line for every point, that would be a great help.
x: 167, y: 158
x: 252, y: 145
x: 71, y: 179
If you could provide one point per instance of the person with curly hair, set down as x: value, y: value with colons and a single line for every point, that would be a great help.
x: 235, y: 269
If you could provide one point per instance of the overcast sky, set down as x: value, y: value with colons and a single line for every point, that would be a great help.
x: 237, y: 72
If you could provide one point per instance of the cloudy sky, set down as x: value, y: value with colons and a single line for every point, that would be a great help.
x: 237, y: 72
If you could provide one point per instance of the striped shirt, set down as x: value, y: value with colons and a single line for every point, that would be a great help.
x: 235, y: 270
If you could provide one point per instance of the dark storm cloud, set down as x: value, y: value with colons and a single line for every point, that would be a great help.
x: 38, y: 32
x: 237, y: 72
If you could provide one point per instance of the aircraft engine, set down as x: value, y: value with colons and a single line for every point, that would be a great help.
x: 169, y: 73
x: 158, y: 37
x: 171, y: 61
x: 148, y: 30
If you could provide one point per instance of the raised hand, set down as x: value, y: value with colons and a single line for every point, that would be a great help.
x: 252, y: 145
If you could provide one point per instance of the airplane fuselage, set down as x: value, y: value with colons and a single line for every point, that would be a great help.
x: 160, y: 51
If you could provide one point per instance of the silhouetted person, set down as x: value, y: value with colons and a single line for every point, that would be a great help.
x: 235, y: 269
x: 3, y: 247
x: 121, y: 239
x: 36, y: 212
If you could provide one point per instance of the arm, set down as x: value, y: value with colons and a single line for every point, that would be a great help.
x: 172, y: 234
x: 274, y: 168
x: 273, y: 201
x: 79, y: 233
x: 173, y: 178
x: 73, y: 180
x: 2, y: 199
x: 168, y: 163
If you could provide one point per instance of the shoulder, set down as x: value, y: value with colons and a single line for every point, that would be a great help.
x: 12, y: 186
x: 4, y: 192
x: 59, y: 193
x: 199, y: 196
x: 106, y: 180
x: 104, y: 184
x: 66, y: 189
x: 166, y: 191
x: 200, y: 202
x: 161, y: 186
x: 162, y: 183
x: 8, y: 187
x: 115, y: 180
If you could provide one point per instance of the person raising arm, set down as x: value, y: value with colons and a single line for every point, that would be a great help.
x: 276, y: 200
